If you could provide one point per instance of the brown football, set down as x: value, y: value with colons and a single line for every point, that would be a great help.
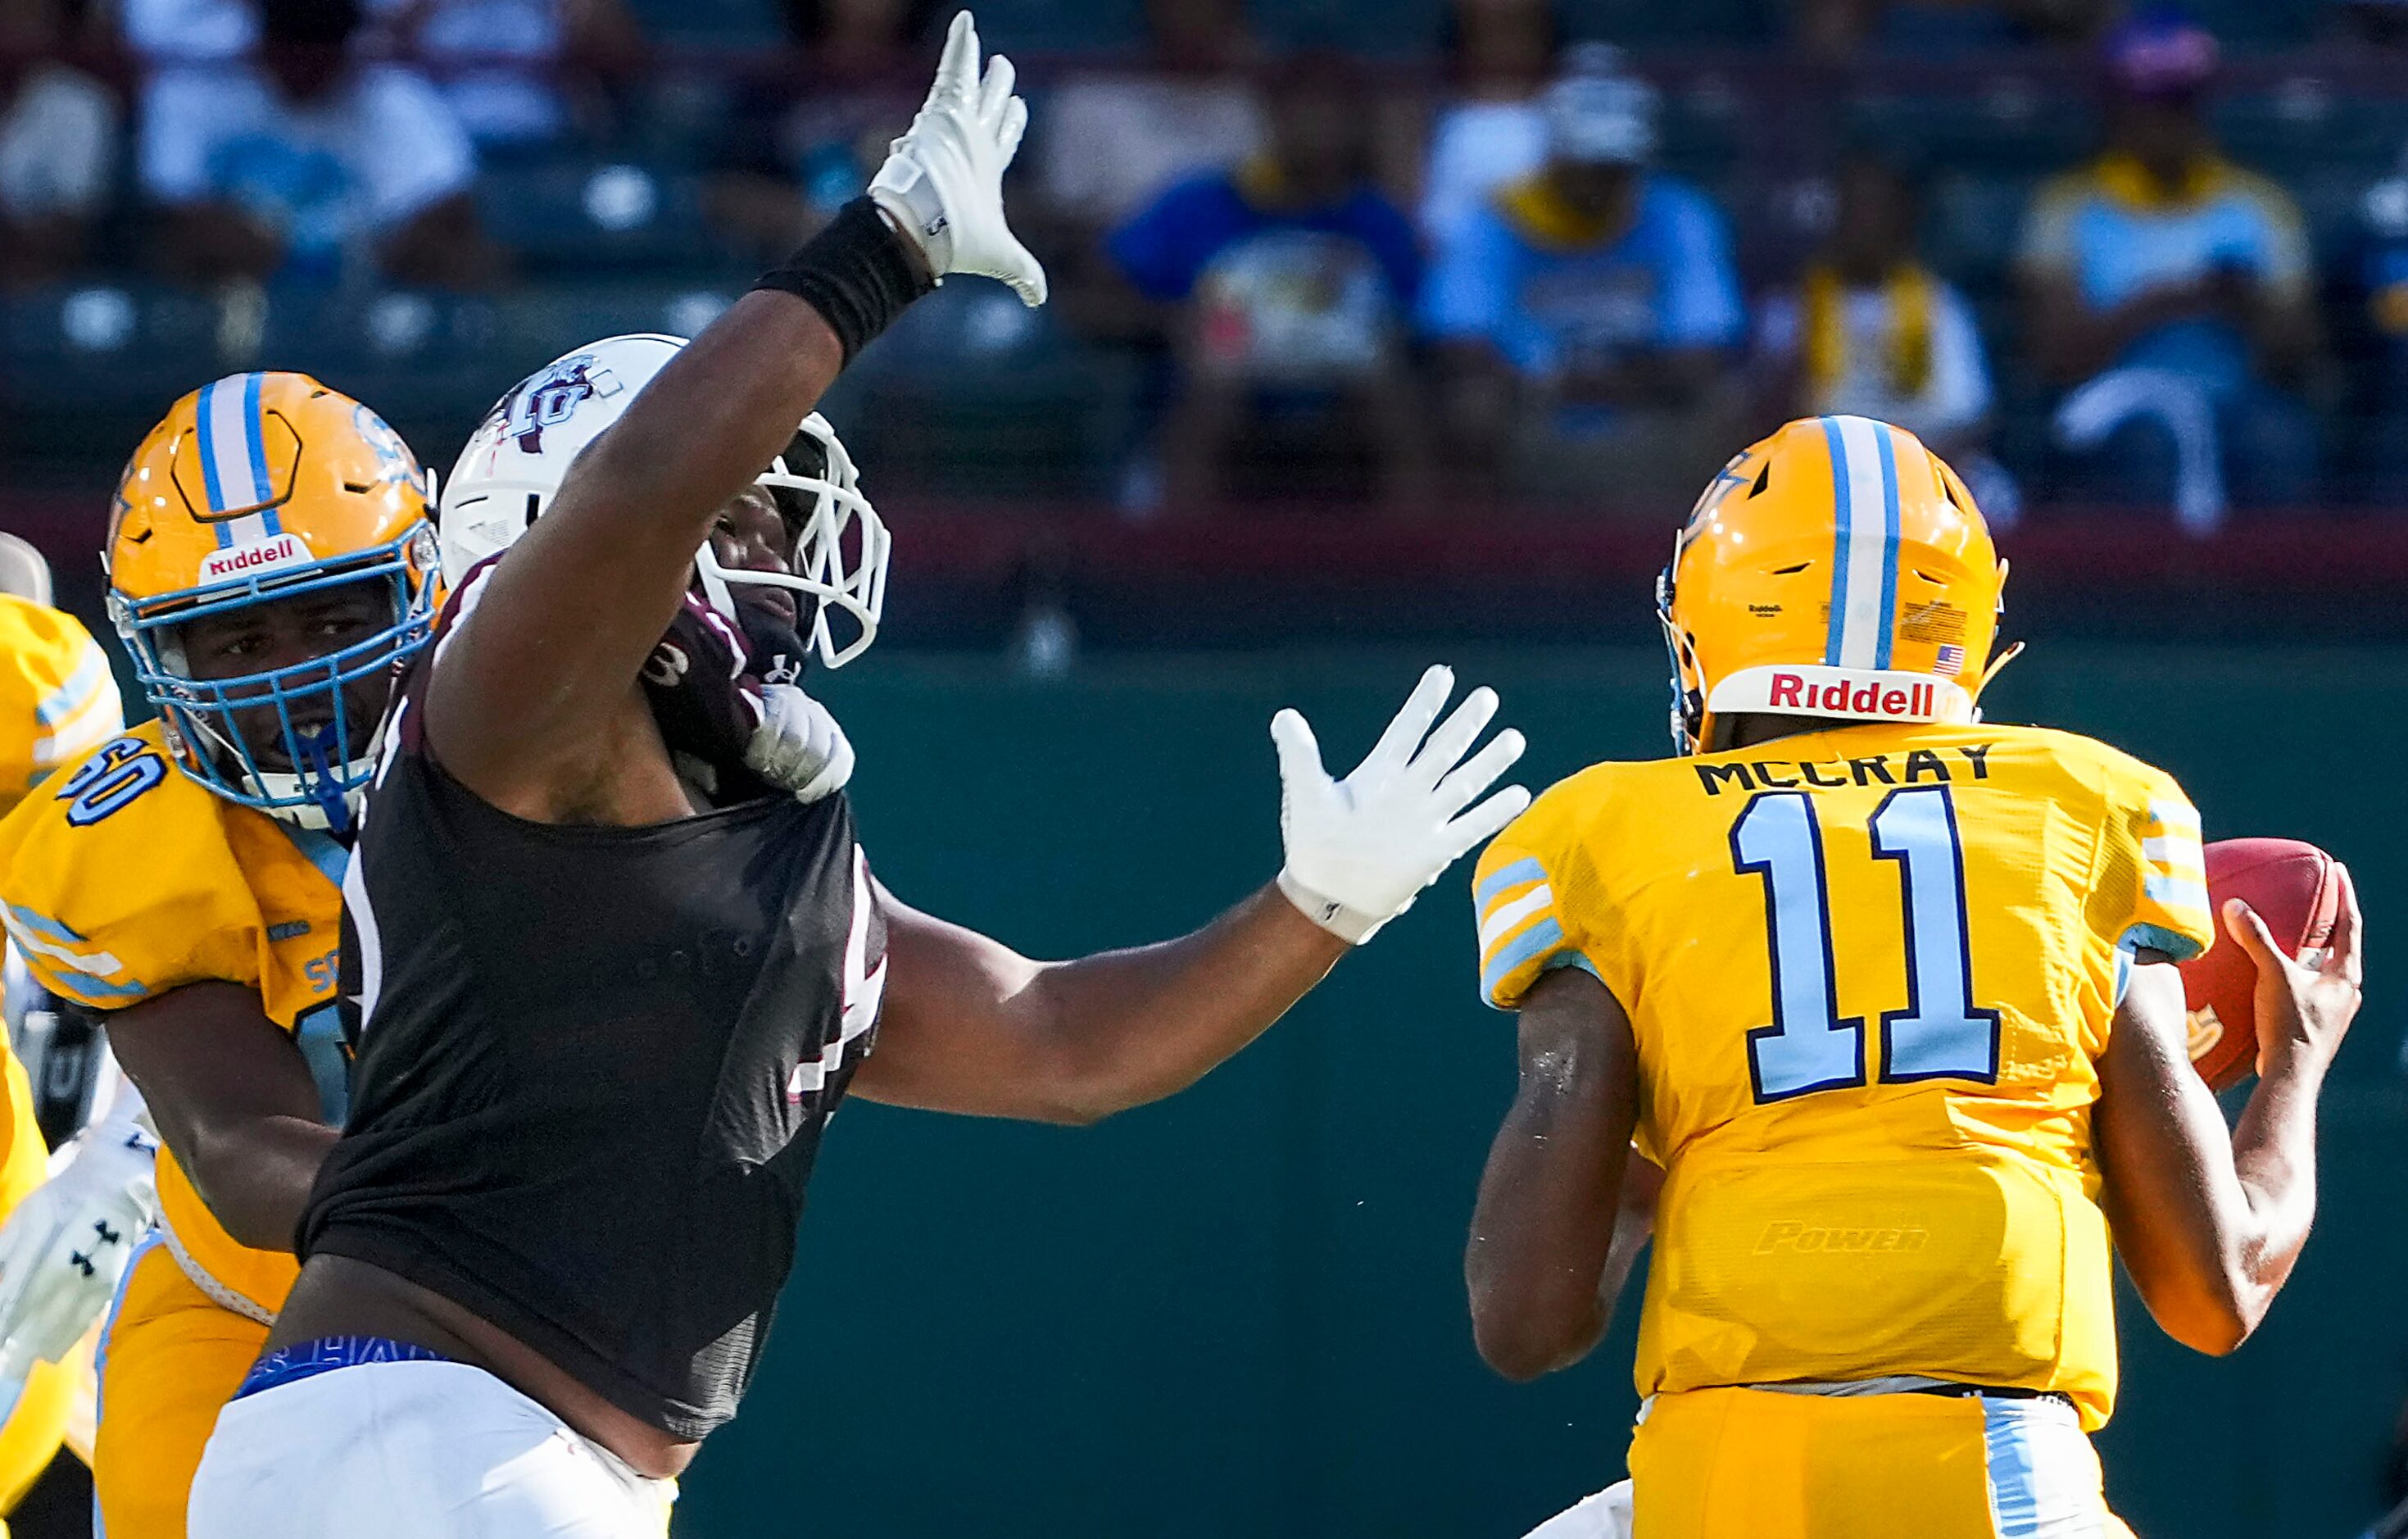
x: 2293, y: 889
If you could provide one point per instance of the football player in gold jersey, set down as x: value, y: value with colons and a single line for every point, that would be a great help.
x: 269, y: 557
x: 58, y: 701
x: 1887, y: 992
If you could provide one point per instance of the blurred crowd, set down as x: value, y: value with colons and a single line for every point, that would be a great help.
x: 1499, y: 270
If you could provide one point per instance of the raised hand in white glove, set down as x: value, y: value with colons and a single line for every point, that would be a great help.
x: 942, y: 182
x: 1361, y: 849
x: 67, y: 1245
x: 800, y: 745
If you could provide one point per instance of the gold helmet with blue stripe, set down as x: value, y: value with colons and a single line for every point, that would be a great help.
x: 265, y: 489
x: 1837, y: 568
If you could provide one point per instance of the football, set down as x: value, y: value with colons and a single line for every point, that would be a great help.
x: 2293, y: 889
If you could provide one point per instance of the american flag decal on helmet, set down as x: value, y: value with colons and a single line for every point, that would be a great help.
x: 1951, y: 661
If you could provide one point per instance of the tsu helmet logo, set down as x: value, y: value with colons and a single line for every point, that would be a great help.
x: 546, y: 400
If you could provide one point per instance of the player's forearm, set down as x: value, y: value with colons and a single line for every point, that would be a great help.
x: 1559, y: 1198
x: 1634, y: 1225
x: 708, y: 423
x: 1543, y: 1238
x: 1124, y: 1027
x: 255, y: 1175
x: 2274, y: 1153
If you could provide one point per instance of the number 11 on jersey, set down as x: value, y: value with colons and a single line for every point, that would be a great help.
x: 1941, y: 1033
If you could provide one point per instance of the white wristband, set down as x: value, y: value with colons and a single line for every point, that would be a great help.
x: 1351, y: 925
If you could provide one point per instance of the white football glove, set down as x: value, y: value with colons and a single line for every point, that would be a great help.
x: 67, y: 1245
x: 800, y: 745
x: 1361, y: 849
x: 944, y: 181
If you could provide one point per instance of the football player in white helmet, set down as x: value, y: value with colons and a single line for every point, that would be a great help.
x: 812, y: 582
x: 540, y: 1258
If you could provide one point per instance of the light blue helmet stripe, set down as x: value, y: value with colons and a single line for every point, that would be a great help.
x: 209, y: 447
x: 255, y: 432
x: 1843, y: 518
x: 1884, y: 435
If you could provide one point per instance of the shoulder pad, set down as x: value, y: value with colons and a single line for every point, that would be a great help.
x: 120, y: 883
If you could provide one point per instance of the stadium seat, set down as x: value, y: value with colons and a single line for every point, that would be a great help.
x: 973, y: 395
x: 86, y: 369
x: 2013, y: 125
x: 717, y: 23
x: 1639, y: 24
x: 1032, y: 26
x: 2259, y: 24
x: 1972, y: 223
x: 1394, y: 27
x: 580, y: 217
x: 2304, y: 125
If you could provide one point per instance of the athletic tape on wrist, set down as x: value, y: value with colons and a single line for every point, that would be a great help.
x: 855, y: 273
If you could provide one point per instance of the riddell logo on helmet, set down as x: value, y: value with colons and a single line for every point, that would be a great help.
x: 260, y: 555
x: 1868, y: 698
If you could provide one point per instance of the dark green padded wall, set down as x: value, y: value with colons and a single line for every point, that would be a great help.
x: 1240, y: 1312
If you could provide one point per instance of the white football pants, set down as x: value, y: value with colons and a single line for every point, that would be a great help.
x: 1604, y: 1516
x: 412, y: 1450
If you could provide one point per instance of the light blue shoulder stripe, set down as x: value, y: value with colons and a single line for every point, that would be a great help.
x: 48, y: 928
x: 1540, y: 938
x: 2182, y: 948
x: 79, y: 690
x: 1525, y: 870
x: 2175, y: 892
x: 99, y: 988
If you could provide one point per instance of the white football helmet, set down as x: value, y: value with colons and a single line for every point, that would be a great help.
x: 514, y: 462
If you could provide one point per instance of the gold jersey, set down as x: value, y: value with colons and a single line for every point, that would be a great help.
x: 58, y: 699
x: 126, y: 879
x: 1871, y: 971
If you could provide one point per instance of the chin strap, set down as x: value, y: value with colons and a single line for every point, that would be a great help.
x: 2014, y: 650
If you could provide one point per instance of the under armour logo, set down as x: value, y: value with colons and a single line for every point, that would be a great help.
x: 666, y: 666
x: 83, y: 1263
x: 107, y: 1235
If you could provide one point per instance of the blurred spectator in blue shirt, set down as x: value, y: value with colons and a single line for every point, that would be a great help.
x: 2171, y: 294
x: 1585, y: 317
x: 499, y: 63
x: 59, y: 130
x: 1110, y: 139
x: 1871, y: 331
x: 506, y: 66
x: 1491, y: 129
x: 294, y: 162
x: 1285, y: 281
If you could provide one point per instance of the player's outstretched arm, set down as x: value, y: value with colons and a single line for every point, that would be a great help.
x: 561, y: 627
x: 2208, y: 1225
x: 233, y: 1098
x: 1551, y: 1222
x: 972, y: 1026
